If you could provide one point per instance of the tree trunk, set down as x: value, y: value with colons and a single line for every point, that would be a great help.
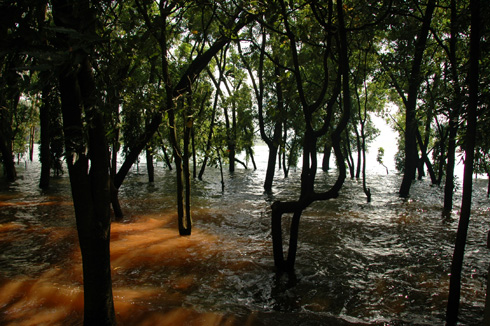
x: 308, y: 194
x: 451, y: 162
x: 327, y: 150
x: 470, y: 140
x: 425, y: 159
x: 185, y: 225
x: 6, y: 144
x: 150, y: 169
x: 454, y: 113
x: 252, y: 158
x: 410, y: 120
x: 45, y: 155
x: 359, y: 153
x: 367, y: 190
x: 32, y: 134
x: 273, y: 143
x: 91, y: 197
x: 188, y: 118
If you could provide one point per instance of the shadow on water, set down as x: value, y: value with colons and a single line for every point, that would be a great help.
x: 380, y: 263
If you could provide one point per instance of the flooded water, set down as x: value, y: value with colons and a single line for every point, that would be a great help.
x: 382, y: 263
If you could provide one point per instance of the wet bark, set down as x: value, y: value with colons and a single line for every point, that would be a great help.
x: 470, y: 140
x: 411, y: 104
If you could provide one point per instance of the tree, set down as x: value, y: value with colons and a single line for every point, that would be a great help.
x: 86, y: 155
x: 410, y: 94
x: 379, y: 158
x: 470, y: 140
x: 308, y: 194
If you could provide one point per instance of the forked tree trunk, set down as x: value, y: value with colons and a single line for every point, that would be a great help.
x: 89, y: 171
x: 91, y: 199
x: 308, y: 194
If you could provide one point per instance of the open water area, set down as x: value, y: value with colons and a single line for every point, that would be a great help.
x: 381, y: 263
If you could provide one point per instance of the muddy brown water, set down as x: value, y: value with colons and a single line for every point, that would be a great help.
x: 381, y: 263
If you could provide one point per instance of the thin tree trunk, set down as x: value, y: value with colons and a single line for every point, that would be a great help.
x: 188, y: 126
x: 359, y: 153
x: 470, y: 140
x: 425, y: 159
x: 45, y: 155
x: 150, y: 169
x: 184, y: 227
x: 327, y: 150
x: 168, y: 161
x: 451, y: 162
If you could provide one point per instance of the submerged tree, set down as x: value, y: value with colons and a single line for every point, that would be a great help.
x: 470, y: 140
x: 86, y: 154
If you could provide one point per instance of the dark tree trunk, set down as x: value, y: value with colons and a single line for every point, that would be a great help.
x: 273, y: 143
x: 185, y: 225
x: 32, y: 134
x: 150, y: 169
x: 194, y: 157
x: 6, y: 144
x: 271, y: 167
x: 411, y: 121
x: 90, y: 186
x: 91, y: 197
x: 425, y: 159
x: 327, y: 150
x: 348, y: 156
x: 308, y: 194
x: 45, y: 155
x: 454, y: 113
x: 252, y: 158
x: 359, y: 153
x: 188, y: 118
x: 451, y: 162
x: 470, y: 140
x: 488, y: 187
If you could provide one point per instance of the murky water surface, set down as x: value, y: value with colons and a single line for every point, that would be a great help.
x: 382, y: 263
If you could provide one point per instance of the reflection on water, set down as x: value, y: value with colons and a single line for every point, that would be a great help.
x: 386, y: 262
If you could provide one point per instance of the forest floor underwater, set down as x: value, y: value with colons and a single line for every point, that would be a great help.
x: 381, y: 263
